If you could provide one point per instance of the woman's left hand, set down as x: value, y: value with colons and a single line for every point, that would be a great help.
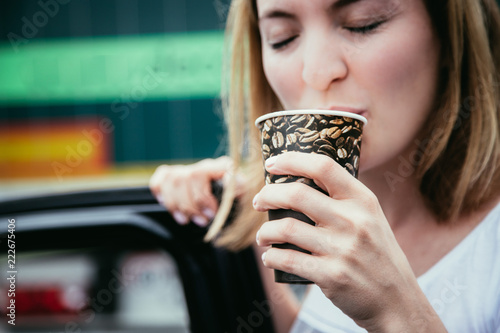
x: 355, y: 259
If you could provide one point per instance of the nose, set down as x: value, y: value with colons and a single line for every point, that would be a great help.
x: 323, y: 62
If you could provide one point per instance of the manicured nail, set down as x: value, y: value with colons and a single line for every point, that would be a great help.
x: 254, y: 201
x: 257, y: 238
x: 264, y: 258
x: 180, y: 218
x: 270, y: 161
x: 210, y: 214
x: 160, y: 199
x: 199, y: 220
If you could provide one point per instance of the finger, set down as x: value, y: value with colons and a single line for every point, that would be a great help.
x: 241, y: 183
x: 202, y: 204
x: 186, y: 191
x: 209, y: 170
x: 289, y: 230
x: 302, y: 264
x: 162, y: 191
x: 178, y: 205
x: 320, y: 208
x: 183, y: 211
x: 175, y: 192
x: 205, y: 199
x: 163, y: 183
x: 155, y: 181
x: 216, y: 168
x: 180, y: 217
x: 325, y: 172
x: 183, y: 197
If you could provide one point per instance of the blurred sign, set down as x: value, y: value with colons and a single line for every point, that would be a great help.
x: 55, y: 148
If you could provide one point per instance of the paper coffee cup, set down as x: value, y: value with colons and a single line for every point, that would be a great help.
x: 336, y: 134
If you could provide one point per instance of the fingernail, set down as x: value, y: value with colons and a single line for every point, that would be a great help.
x: 160, y: 199
x: 257, y: 238
x: 264, y: 258
x: 180, y: 218
x: 255, y: 198
x: 199, y: 220
x: 270, y: 161
x: 208, y: 213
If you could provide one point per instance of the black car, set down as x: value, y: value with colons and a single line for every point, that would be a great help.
x: 115, y: 261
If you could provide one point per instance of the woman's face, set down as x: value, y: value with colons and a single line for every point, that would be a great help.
x: 378, y: 58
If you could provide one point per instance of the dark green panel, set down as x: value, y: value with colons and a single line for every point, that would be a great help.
x: 209, y: 133
x: 154, y: 67
x: 85, y: 18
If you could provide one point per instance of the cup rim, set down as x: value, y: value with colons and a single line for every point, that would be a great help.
x: 310, y: 111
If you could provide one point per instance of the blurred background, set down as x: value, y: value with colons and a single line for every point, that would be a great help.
x: 97, y: 93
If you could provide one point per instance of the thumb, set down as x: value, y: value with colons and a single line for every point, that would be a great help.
x: 217, y: 168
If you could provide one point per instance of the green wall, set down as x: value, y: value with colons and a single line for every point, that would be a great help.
x: 151, y: 66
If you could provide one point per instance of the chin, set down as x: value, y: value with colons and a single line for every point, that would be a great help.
x: 367, y: 163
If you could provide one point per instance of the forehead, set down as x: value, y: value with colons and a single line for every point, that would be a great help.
x: 263, y: 5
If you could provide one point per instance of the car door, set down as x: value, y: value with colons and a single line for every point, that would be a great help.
x: 115, y: 261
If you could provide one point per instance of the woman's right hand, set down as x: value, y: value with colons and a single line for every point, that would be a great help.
x: 186, y: 190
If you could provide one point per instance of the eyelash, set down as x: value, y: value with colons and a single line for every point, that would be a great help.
x: 280, y: 45
x: 364, y: 30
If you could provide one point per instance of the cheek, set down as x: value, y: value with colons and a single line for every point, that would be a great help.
x: 407, y: 72
x: 401, y: 79
x: 284, y: 77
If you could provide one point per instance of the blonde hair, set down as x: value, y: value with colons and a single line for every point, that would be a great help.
x: 461, y: 171
x: 459, y: 168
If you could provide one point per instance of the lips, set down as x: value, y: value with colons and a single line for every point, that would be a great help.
x: 361, y: 112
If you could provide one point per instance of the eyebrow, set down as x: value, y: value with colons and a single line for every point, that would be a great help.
x: 343, y: 3
x: 282, y: 14
x: 276, y: 14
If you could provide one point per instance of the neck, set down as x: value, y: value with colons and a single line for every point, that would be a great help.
x: 397, y: 189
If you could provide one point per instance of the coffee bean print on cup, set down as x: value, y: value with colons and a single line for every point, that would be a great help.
x: 335, y: 134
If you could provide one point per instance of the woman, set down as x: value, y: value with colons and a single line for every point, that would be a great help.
x: 412, y: 245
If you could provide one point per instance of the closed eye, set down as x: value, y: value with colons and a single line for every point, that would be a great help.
x: 365, y: 29
x: 282, y: 44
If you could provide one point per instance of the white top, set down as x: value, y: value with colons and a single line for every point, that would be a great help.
x: 463, y: 287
